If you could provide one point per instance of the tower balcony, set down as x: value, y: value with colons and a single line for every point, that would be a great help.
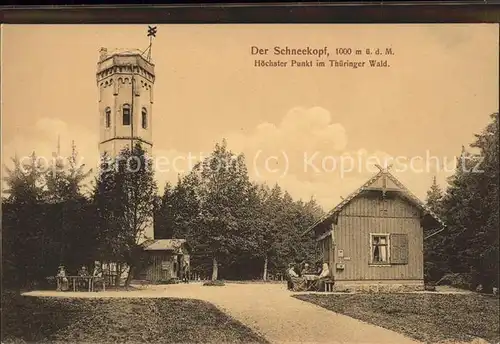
x: 124, y: 61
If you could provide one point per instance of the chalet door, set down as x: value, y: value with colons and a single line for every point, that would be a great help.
x: 331, y: 256
x: 325, y: 250
x: 328, y: 252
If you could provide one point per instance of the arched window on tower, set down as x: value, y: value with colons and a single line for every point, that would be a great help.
x: 126, y: 114
x: 108, y: 117
x: 144, y: 118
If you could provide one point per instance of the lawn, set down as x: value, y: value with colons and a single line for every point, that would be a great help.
x: 119, y: 320
x: 429, y: 318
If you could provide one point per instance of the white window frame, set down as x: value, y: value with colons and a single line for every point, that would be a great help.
x: 388, y: 262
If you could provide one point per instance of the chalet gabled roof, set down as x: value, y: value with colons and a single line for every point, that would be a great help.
x: 401, y: 188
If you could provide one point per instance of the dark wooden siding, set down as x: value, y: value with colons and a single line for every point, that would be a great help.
x: 327, y: 252
x: 367, y: 214
x: 154, y: 271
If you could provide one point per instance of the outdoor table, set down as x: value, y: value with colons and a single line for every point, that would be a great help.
x: 94, y: 278
x: 310, y: 279
x: 91, y: 280
x: 75, y: 278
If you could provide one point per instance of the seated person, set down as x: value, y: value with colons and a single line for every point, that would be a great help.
x: 62, y: 280
x: 323, y: 276
x: 298, y: 269
x: 307, y: 270
x: 297, y: 282
x: 83, y: 282
x: 290, y: 273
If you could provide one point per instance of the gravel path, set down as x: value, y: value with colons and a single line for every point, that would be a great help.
x: 269, y: 310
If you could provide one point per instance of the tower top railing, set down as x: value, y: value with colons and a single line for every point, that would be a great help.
x: 104, y: 53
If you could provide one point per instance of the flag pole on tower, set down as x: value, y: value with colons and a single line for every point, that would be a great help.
x: 151, y: 33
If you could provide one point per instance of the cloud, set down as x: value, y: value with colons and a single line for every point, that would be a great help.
x: 306, y: 155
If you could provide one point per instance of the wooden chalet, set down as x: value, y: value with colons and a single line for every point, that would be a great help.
x: 166, y: 259
x: 374, y: 238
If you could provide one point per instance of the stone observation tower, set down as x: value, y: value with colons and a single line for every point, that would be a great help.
x: 125, y: 80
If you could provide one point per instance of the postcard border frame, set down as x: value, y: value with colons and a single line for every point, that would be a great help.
x: 259, y: 13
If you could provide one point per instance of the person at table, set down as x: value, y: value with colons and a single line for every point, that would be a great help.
x: 297, y: 282
x: 306, y: 270
x: 62, y: 280
x: 323, y: 276
x: 97, y: 270
x: 290, y: 272
x: 83, y: 282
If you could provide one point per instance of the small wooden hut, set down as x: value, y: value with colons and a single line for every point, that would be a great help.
x: 374, y: 238
x: 166, y: 259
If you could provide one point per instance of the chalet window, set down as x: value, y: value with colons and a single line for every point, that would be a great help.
x: 144, y: 118
x: 108, y: 117
x: 389, y: 249
x: 379, y: 248
x: 126, y: 114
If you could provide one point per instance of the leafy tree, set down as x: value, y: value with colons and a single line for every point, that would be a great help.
x: 165, y: 214
x: 19, y: 221
x: 45, y: 224
x: 126, y: 195
x: 25, y: 183
x: 109, y: 208
x: 222, y: 191
x: 236, y: 228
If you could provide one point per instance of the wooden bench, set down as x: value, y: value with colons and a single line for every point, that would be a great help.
x: 329, y: 286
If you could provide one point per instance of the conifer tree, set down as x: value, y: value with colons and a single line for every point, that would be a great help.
x: 435, y: 197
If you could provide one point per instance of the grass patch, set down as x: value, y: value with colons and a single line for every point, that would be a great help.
x: 169, y: 281
x: 216, y: 283
x: 119, y: 320
x: 256, y: 281
x: 430, y: 318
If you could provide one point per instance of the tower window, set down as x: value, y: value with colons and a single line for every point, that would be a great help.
x: 126, y: 114
x: 144, y: 118
x: 108, y: 117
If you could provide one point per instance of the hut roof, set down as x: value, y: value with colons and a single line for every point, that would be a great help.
x: 397, y: 186
x: 165, y: 244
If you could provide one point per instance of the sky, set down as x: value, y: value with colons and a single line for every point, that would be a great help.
x: 316, y: 131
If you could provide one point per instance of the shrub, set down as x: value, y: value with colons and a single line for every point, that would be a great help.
x: 430, y: 287
x: 168, y: 281
x: 457, y: 280
x: 216, y: 283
